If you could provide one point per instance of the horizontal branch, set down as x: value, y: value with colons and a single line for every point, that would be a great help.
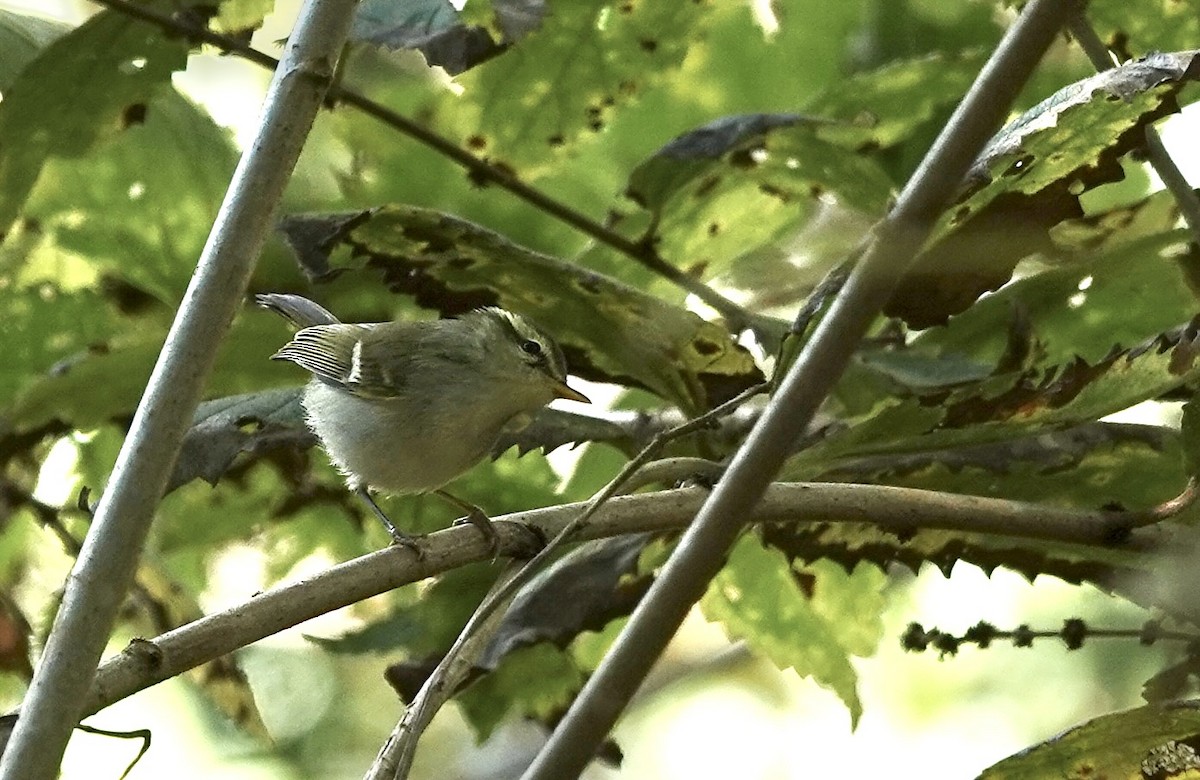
x: 903, y: 510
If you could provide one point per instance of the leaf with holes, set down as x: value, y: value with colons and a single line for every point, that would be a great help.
x: 224, y: 428
x: 881, y: 108
x: 1013, y: 404
x: 608, y: 330
x: 1029, y: 178
x: 53, y: 108
x: 432, y: 27
x: 1113, y: 297
x: 564, y: 79
x: 732, y: 200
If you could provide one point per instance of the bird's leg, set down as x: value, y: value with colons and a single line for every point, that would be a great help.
x: 398, y: 536
x: 476, y: 517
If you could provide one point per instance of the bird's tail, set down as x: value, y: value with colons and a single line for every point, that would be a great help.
x: 296, y: 309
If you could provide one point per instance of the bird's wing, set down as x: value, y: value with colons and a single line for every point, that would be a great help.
x: 339, y: 355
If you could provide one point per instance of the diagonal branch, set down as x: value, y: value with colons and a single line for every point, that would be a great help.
x: 480, y: 170
x: 702, y: 550
x: 396, y: 757
x: 109, y: 556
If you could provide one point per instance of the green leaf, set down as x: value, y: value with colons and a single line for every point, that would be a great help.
x: 1016, y: 404
x: 429, y: 26
x: 1154, y: 741
x: 1135, y: 29
x: 1097, y: 339
x: 1072, y: 128
x: 139, y: 207
x: 1134, y: 290
x: 54, y: 325
x: 1097, y: 466
x: 562, y: 81
x: 240, y: 16
x: 719, y: 197
x: 758, y: 598
x: 609, y: 331
x: 1104, y: 231
x: 882, y: 108
x: 106, y: 385
x: 1029, y: 178
x: 1190, y: 431
x: 536, y: 682
x: 1089, y: 467
x: 850, y: 602
x: 21, y: 38
x: 55, y: 109
x: 852, y: 544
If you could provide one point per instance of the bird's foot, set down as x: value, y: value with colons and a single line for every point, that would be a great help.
x: 401, y: 539
x: 478, y: 518
x: 398, y: 536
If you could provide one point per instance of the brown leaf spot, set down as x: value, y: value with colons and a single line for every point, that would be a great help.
x: 775, y: 192
x: 133, y: 114
x: 706, y: 185
x: 744, y: 158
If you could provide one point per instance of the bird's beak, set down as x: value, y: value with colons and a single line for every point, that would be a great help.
x: 562, y: 390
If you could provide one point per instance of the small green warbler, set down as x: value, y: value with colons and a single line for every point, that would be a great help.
x: 405, y: 407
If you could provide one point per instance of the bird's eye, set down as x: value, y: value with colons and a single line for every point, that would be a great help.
x: 531, y: 347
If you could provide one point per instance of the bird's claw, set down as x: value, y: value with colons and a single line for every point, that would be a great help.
x: 404, y: 540
x: 478, y: 518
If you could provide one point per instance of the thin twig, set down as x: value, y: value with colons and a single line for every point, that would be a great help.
x: 704, y: 546
x: 486, y: 618
x: 615, y: 485
x: 1169, y: 508
x: 1103, y: 59
x: 479, y: 169
x: 902, y: 510
x: 396, y: 757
